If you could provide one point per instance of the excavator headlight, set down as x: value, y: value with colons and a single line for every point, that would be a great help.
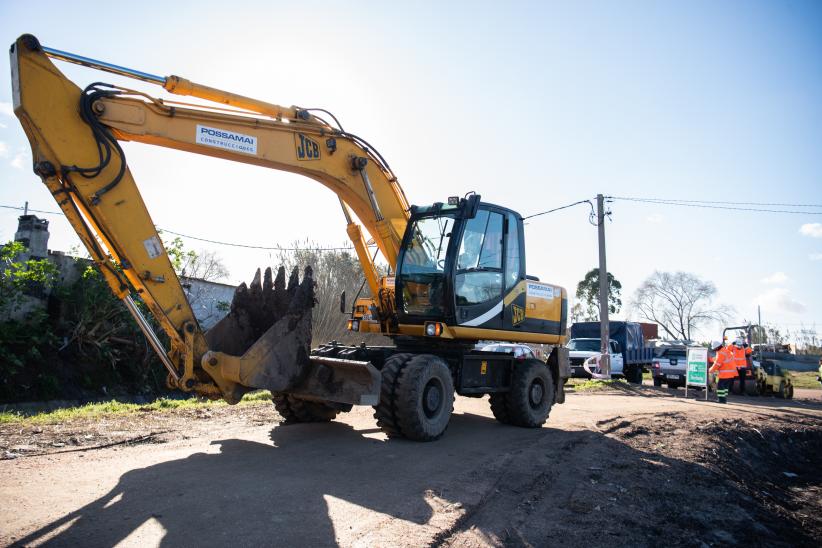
x: 353, y: 325
x: 453, y: 200
x: 433, y: 329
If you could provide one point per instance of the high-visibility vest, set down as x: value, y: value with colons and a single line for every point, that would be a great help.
x: 725, y: 363
x: 739, y: 356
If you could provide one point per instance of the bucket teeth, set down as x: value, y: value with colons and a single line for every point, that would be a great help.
x: 258, y: 306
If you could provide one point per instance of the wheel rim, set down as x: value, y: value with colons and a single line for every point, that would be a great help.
x: 536, y: 393
x: 432, y: 398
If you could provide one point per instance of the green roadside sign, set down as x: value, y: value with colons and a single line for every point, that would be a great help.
x: 697, y: 374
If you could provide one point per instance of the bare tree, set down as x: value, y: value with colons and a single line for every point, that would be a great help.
x: 334, y: 272
x: 680, y: 302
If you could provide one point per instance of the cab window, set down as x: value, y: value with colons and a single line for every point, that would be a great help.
x: 422, y: 274
x: 481, y: 245
x: 512, y: 261
x: 479, y: 263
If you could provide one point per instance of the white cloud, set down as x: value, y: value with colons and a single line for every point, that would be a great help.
x: 775, y: 278
x: 6, y: 108
x: 814, y: 230
x: 815, y: 256
x: 655, y: 218
x: 18, y: 160
x: 4, y: 149
x: 779, y: 299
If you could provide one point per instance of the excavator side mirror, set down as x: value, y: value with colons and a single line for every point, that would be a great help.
x: 342, y: 302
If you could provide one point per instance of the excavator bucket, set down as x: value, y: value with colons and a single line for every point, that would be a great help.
x: 265, y: 342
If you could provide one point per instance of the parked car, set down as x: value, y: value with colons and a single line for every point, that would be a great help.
x: 670, y: 366
x: 581, y: 349
x: 520, y: 351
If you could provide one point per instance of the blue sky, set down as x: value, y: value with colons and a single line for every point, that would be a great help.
x: 532, y: 105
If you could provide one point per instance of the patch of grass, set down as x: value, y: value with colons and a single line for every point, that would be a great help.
x: 805, y: 379
x: 258, y: 395
x: 94, y: 410
x: 595, y: 385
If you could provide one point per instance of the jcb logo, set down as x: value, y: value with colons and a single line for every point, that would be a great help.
x: 307, y: 149
x: 517, y: 314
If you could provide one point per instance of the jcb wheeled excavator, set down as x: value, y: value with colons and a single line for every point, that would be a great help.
x: 459, y: 267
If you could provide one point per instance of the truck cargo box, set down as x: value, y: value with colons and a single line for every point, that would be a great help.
x: 627, y: 334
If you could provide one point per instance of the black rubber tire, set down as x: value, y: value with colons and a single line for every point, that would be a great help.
x: 789, y: 395
x: 499, y: 407
x: 657, y: 382
x: 294, y: 410
x: 634, y: 375
x: 526, y: 405
x: 782, y: 391
x: 386, y: 410
x: 424, y: 398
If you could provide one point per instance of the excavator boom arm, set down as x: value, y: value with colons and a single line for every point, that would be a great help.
x: 74, y: 134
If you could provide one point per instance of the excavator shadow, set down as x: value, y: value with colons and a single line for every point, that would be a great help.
x: 251, y: 492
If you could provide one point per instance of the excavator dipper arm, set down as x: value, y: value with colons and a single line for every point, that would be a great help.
x: 74, y: 136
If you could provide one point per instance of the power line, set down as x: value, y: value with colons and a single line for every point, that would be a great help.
x: 256, y: 246
x: 230, y: 244
x: 558, y: 208
x: 705, y: 205
x: 770, y: 204
x: 34, y: 210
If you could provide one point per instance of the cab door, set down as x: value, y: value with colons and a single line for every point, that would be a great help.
x: 513, y: 317
x: 478, y: 271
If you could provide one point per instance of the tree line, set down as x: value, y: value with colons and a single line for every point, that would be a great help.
x: 681, y: 303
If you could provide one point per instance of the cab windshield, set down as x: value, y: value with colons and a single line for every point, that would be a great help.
x: 422, y: 271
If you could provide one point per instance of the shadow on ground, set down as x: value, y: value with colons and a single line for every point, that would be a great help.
x: 494, y: 484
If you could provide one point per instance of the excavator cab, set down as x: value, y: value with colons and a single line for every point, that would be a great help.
x: 462, y: 265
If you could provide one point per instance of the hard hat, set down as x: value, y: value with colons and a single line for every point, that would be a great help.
x: 715, y: 345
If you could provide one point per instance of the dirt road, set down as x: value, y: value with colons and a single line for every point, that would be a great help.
x: 636, y: 467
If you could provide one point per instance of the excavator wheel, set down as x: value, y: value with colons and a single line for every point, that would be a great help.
x: 417, y: 397
x: 499, y: 407
x: 295, y: 410
x: 385, y: 411
x: 529, y: 401
x: 424, y: 398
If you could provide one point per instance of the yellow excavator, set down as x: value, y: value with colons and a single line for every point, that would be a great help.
x: 459, y: 273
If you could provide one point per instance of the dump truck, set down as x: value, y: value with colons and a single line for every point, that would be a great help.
x: 636, y: 357
x: 459, y: 266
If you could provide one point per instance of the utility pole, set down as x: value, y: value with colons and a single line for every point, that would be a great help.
x: 605, y: 364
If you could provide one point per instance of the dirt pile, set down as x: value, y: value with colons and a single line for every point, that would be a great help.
x: 768, y: 468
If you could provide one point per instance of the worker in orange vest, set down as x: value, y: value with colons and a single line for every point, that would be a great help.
x: 741, y: 361
x: 725, y: 368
